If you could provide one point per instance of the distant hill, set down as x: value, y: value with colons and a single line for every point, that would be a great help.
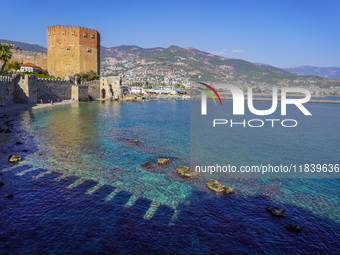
x: 126, y: 52
x: 25, y: 46
x: 175, y: 65
x: 188, y: 63
x: 326, y: 72
x: 271, y: 68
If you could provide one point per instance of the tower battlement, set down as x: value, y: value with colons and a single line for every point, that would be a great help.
x: 62, y: 27
x: 72, y: 49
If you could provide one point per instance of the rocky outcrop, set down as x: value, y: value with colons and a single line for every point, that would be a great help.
x: 294, y: 228
x: 219, y: 188
x: 163, y: 161
x: 134, y: 141
x: 147, y: 165
x: 14, y: 158
x: 275, y: 211
x: 186, y: 172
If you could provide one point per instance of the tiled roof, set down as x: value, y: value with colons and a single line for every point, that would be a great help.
x: 30, y: 65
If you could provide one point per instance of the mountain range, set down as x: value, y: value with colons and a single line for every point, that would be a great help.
x: 326, y: 72
x: 179, y: 65
x: 174, y: 65
x: 25, y: 46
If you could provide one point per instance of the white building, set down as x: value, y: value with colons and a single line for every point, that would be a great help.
x: 136, y: 90
x: 30, y: 67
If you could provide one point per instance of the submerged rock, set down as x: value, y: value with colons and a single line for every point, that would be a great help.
x: 2, y: 184
x: 10, y: 196
x: 294, y: 228
x: 24, y: 150
x: 163, y: 161
x: 14, y: 158
x: 8, y: 131
x: 18, y: 143
x: 275, y: 211
x: 219, y: 188
x: 186, y: 172
x: 147, y: 165
x: 134, y: 141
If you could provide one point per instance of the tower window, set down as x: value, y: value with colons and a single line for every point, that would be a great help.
x: 92, y: 36
x: 88, y: 50
x: 68, y: 48
x: 85, y: 35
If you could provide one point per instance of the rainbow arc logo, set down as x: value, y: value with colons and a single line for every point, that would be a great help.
x: 209, y: 93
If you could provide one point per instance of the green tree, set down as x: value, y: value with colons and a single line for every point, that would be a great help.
x: 89, y: 76
x: 12, y: 65
x: 5, y: 55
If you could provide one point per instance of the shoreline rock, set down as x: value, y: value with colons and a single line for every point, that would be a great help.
x: 147, y: 165
x: 275, y: 211
x: 134, y: 141
x: 14, y: 158
x: 219, y: 188
x: 163, y: 161
x: 294, y: 228
x: 186, y: 172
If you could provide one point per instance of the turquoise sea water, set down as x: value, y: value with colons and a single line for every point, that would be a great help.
x: 80, y: 188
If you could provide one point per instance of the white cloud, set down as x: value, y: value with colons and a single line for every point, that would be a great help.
x: 237, y: 51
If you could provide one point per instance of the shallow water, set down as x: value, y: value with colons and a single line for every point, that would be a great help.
x: 80, y: 189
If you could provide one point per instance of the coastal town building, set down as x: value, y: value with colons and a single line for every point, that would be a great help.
x: 30, y: 67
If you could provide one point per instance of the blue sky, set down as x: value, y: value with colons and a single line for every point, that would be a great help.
x: 282, y: 33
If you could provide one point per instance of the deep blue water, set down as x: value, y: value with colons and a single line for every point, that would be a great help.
x: 80, y: 188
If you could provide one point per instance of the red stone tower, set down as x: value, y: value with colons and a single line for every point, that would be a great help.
x: 71, y: 50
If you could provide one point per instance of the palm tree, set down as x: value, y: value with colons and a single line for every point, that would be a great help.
x: 5, y: 54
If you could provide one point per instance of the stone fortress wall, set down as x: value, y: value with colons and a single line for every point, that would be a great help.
x: 6, y: 90
x: 110, y: 87
x: 28, y: 89
x: 22, y: 56
x: 93, y: 89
